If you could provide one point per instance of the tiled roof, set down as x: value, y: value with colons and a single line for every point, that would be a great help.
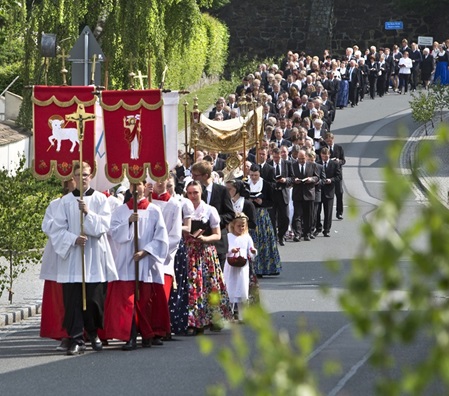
x: 10, y: 134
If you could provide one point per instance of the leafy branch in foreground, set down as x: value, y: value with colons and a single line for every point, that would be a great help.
x: 274, y: 366
x: 393, y: 306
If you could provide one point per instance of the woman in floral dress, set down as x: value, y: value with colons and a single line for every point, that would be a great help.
x: 208, y: 301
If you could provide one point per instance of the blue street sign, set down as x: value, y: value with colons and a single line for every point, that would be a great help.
x: 398, y: 25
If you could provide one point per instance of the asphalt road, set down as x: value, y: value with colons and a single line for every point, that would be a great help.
x: 30, y: 365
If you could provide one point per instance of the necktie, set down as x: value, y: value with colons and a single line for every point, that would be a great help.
x: 302, y: 170
x: 204, y: 194
x: 278, y: 170
x: 325, y: 166
x: 279, y: 143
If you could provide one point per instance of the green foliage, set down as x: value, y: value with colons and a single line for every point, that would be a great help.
x: 23, y: 201
x: 218, y: 37
x: 372, y: 298
x: 7, y: 75
x: 134, y: 36
x: 277, y: 367
x: 423, y: 108
x: 440, y: 95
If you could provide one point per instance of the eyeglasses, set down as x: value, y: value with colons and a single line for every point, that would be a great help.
x: 197, y: 174
x: 83, y: 175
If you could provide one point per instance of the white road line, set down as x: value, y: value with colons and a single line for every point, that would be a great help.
x: 350, y: 374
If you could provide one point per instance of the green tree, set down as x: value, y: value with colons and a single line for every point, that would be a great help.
x: 423, y: 108
x: 133, y: 34
x: 23, y: 201
x: 439, y: 94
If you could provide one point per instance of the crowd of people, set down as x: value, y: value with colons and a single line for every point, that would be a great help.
x: 183, y: 255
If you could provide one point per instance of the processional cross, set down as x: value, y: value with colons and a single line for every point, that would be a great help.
x: 80, y: 117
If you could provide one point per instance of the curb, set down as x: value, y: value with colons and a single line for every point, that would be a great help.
x: 16, y: 313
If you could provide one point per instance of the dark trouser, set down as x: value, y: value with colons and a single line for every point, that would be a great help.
x: 339, y: 197
x: 302, y: 217
x: 353, y: 93
x: 381, y: 86
x: 372, y: 86
x: 316, y: 217
x: 76, y: 320
x: 328, y: 207
x: 414, y: 78
x: 403, y: 81
x: 280, y: 212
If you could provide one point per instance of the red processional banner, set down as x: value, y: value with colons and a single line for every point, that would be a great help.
x: 56, y: 140
x: 134, y: 135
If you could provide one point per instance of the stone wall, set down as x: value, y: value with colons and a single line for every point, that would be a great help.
x: 267, y: 28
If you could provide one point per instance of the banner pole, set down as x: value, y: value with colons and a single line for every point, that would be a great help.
x: 80, y: 117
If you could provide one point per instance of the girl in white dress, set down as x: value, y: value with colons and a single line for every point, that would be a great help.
x: 237, y: 278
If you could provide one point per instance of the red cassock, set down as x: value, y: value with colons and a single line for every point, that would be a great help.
x: 150, y: 311
x: 52, y: 311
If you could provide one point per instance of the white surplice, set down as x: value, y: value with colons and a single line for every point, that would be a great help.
x: 172, y: 214
x: 152, y: 237
x: 98, y: 259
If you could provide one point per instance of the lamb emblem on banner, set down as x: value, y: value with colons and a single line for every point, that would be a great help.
x: 59, y: 133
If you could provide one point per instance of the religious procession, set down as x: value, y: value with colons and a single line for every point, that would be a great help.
x: 149, y: 261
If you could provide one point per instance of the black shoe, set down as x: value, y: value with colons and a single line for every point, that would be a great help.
x: 130, y: 345
x: 157, y: 341
x: 281, y: 242
x: 306, y: 238
x: 76, y: 349
x: 96, y: 343
x: 296, y: 239
x: 311, y: 236
x: 326, y: 234
x: 146, y: 342
x: 259, y: 276
x: 64, y: 345
x: 339, y: 217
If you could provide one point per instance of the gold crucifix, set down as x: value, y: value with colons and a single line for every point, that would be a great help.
x: 140, y: 77
x: 80, y: 117
x: 64, y: 71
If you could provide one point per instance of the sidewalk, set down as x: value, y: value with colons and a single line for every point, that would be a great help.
x: 27, y: 297
x: 28, y: 287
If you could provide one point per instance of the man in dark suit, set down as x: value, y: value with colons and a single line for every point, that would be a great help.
x: 337, y: 155
x: 266, y: 169
x: 333, y: 175
x: 305, y: 176
x: 279, y: 138
x: 283, y: 173
x: 219, y: 105
x: 330, y: 106
x: 354, y: 78
x: 416, y: 57
x: 217, y: 196
x: 276, y: 94
x: 317, y: 226
x: 218, y: 163
x: 389, y: 68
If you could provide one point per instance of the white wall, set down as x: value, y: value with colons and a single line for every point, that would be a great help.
x: 10, y: 154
